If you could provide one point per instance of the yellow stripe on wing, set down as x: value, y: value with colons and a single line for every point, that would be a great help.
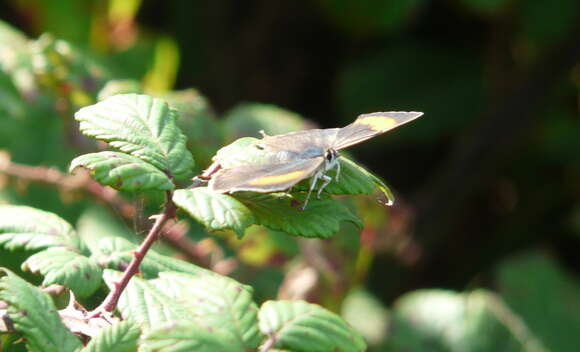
x: 272, y: 180
x: 377, y: 123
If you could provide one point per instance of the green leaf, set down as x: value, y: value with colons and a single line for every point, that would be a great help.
x: 65, y: 267
x: 215, y: 301
x: 33, y: 229
x: 542, y: 293
x: 120, y: 337
x: 242, y: 152
x: 144, y: 303
x: 321, y: 218
x: 211, y: 300
x: 123, y: 172
x: 116, y: 253
x: 248, y: 119
x: 142, y: 126
x: 214, y: 210
x: 34, y: 315
x: 185, y: 336
x: 303, y: 327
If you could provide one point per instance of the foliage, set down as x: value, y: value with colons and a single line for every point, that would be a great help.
x: 490, y: 171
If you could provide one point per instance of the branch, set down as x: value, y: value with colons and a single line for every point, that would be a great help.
x: 110, y: 302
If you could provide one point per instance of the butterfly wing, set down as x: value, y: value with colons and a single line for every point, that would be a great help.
x: 369, y: 125
x: 301, y: 144
x: 264, y: 178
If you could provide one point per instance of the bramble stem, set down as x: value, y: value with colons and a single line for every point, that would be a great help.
x: 110, y: 302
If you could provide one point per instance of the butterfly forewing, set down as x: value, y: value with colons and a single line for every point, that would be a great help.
x: 369, y: 125
x: 264, y: 178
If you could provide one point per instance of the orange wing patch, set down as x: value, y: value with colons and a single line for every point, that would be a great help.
x: 272, y: 180
x: 377, y: 123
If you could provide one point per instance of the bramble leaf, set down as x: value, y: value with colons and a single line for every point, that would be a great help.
x: 215, y: 301
x: 34, y: 315
x: 123, y: 171
x: 211, y: 300
x: 65, y: 267
x: 142, y: 126
x: 145, y: 304
x: 23, y: 227
x: 303, y: 327
x: 119, y: 337
x: 185, y: 336
x: 214, y: 210
x: 321, y: 218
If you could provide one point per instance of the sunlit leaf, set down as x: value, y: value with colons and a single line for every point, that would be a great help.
x: 123, y: 171
x: 214, y: 210
x: 32, y: 229
x: 119, y: 337
x: 65, y: 267
x: 34, y: 315
x: 303, y: 327
x: 142, y: 126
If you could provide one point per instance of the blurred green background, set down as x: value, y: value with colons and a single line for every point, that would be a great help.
x: 480, y: 252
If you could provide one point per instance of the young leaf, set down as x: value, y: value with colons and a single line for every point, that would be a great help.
x: 185, y: 336
x: 214, y: 210
x: 34, y: 315
x: 65, y: 267
x: 33, y: 229
x: 321, y: 218
x: 215, y: 301
x: 142, y: 126
x: 303, y: 327
x: 123, y: 171
x: 120, y: 337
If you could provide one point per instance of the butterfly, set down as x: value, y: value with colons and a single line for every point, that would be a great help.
x: 292, y: 157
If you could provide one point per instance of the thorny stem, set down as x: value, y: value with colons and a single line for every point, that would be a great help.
x: 110, y: 302
x: 266, y: 347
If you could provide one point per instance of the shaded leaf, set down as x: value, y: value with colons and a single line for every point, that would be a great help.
x: 119, y: 337
x: 303, y: 327
x: 34, y: 315
x: 539, y: 291
x: 23, y: 227
x: 142, y: 126
x: 185, y: 336
x: 438, y: 320
x: 214, y: 210
x: 65, y: 267
x: 248, y: 119
x: 321, y: 218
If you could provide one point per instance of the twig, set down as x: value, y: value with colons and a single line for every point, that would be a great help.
x: 110, y: 302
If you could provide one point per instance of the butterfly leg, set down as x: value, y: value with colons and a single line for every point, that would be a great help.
x: 313, y: 182
x: 337, y: 170
x: 326, y: 180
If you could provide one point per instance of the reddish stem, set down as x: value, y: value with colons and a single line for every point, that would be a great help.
x: 110, y: 302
